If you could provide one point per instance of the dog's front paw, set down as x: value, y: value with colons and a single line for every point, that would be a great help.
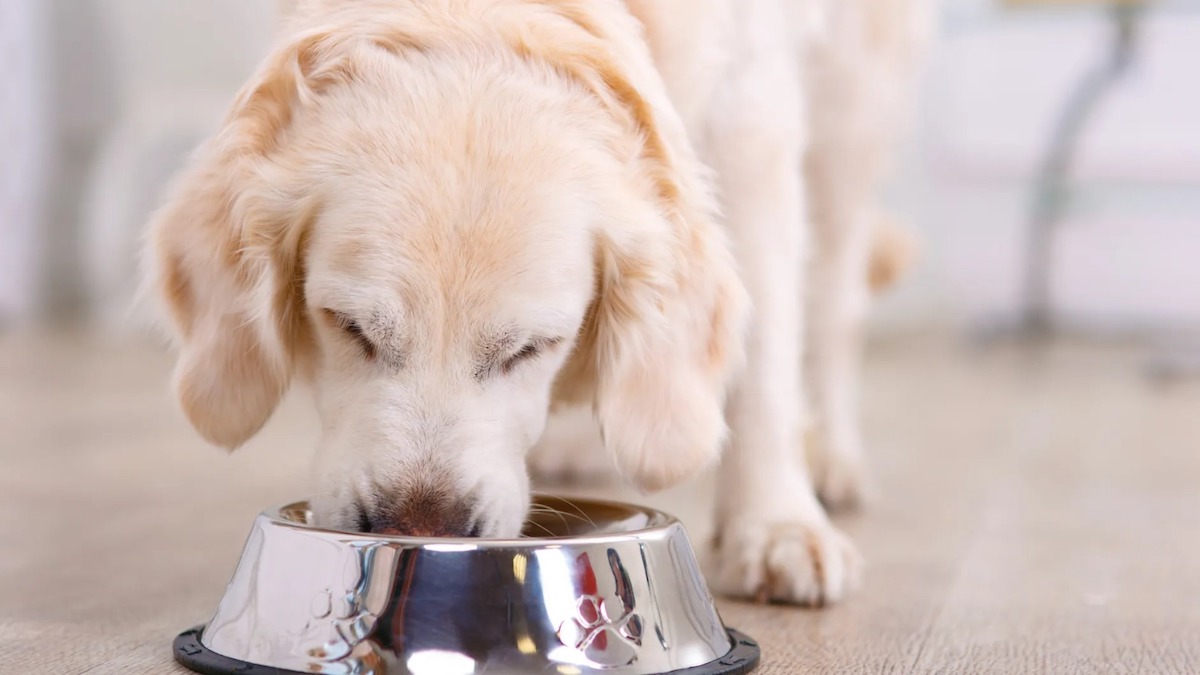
x: 839, y: 471
x: 843, y: 483
x: 570, y: 452
x: 800, y: 562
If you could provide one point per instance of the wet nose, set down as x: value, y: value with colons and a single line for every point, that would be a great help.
x: 425, y: 513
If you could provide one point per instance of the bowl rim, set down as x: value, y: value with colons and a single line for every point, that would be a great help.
x: 661, y: 523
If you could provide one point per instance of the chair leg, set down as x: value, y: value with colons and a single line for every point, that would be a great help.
x: 1034, y: 320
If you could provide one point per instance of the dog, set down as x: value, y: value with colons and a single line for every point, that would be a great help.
x: 451, y: 217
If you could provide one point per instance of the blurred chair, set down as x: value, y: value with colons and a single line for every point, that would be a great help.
x: 1175, y: 356
x: 1052, y: 188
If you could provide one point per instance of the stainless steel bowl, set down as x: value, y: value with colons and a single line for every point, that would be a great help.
x: 607, y: 588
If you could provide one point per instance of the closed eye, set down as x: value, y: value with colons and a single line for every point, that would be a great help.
x: 528, y: 352
x: 353, y: 330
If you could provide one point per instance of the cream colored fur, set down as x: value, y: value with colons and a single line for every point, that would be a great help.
x: 449, y: 215
x: 767, y: 88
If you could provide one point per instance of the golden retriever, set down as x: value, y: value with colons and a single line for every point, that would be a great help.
x: 451, y: 216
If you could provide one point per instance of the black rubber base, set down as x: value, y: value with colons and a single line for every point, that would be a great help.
x: 189, y: 651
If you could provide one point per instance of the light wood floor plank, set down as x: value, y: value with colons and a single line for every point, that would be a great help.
x: 1032, y: 517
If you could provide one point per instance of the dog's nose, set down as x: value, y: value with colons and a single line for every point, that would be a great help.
x: 425, y: 513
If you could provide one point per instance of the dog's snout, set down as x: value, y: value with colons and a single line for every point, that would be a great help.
x: 424, y: 513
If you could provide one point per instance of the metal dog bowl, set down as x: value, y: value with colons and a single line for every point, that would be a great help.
x: 610, y: 588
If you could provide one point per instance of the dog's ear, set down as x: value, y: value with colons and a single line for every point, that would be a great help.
x: 224, y: 253
x: 666, y: 328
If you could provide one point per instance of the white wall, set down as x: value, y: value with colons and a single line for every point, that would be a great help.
x: 992, y: 91
x: 106, y: 63
x: 24, y: 151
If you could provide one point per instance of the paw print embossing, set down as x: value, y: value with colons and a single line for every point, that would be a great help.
x: 354, y: 620
x: 346, y: 610
x: 350, y: 618
x: 606, y: 629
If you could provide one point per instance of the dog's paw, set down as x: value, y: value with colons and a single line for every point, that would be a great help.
x: 551, y: 466
x: 798, y: 562
x: 839, y: 471
x: 570, y: 452
x: 843, y: 484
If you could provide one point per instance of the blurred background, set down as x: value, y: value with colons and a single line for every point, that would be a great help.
x: 1030, y: 509
x: 101, y: 99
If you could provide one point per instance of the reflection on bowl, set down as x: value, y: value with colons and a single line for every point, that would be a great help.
x: 604, y: 588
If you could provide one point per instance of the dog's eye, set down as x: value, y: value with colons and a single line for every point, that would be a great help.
x: 354, y: 330
x: 530, y: 351
x: 527, y: 352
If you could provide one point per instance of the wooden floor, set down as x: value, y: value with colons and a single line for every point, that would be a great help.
x: 1034, y: 517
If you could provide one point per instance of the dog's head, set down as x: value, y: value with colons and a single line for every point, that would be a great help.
x: 445, y: 228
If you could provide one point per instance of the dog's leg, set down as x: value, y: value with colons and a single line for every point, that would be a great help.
x: 773, y: 538
x: 858, y: 82
x: 837, y: 305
